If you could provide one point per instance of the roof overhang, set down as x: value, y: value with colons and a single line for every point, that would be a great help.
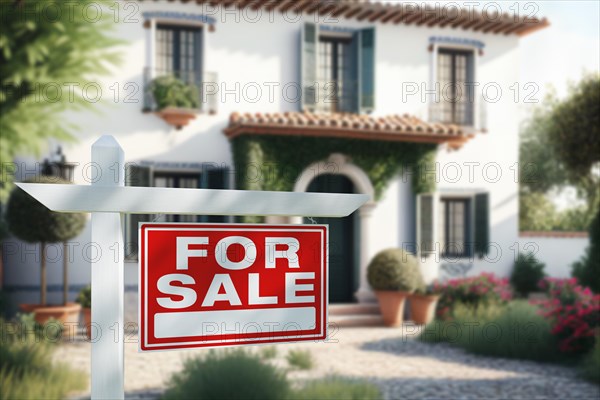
x: 392, y: 128
x: 405, y: 13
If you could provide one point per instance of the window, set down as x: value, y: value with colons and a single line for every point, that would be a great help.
x: 204, y: 178
x: 336, y: 88
x: 337, y: 69
x: 177, y: 180
x: 179, y: 52
x: 456, y: 96
x: 456, y: 225
x: 454, y: 232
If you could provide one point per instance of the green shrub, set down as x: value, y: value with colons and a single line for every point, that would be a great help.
x: 337, y: 389
x: 26, y: 368
x: 587, y: 270
x: 169, y: 91
x: 301, y: 359
x: 591, y: 364
x: 515, y: 330
x: 483, y: 289
x: 227, y: 375
x: 527, y: 273
x: 268, y: 352
x: 85, y: 297
x: 395, y: 269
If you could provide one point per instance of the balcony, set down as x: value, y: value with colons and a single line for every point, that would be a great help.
x: 467, y: 114
x: 180, y: 96
x: 333, y: 96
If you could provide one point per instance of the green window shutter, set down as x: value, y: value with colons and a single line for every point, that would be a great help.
x: 425, y: 221
x: 308, y: 68
x: 135, y: 175
x: 366, y: 71
x: 482, y: 224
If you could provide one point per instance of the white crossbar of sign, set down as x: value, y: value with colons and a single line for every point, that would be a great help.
x: 152, y: 200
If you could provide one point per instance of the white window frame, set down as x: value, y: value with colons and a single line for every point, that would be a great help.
x: 433, y: 61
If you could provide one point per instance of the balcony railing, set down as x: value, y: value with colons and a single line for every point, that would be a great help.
x: 183, y: 89
x: 333, y: 96
x: 465, y: 113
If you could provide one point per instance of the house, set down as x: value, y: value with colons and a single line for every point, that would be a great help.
x: 413, y: 106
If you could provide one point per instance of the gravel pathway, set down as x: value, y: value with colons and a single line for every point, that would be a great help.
x: 402, y: 367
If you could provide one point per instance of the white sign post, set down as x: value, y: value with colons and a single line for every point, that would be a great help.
x: 107, y: 199
x: 107, y: 277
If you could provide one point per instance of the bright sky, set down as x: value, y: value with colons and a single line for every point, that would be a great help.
x: 569, y: 46
x: 556, y: 54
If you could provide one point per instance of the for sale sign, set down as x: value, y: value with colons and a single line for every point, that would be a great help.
x: 209, y: 285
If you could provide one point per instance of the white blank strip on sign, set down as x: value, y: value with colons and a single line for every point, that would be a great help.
x: 153, y: 200
x: 203, y: 323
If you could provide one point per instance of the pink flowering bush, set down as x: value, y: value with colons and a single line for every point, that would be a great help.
x: 574, y: 312
x: 473, y: 292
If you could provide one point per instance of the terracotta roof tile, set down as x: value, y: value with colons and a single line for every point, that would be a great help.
x: 406, y: 13
x: 387, y: 128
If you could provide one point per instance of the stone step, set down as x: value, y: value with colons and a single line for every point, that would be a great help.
x: 356, y: 320
x: 354, y: 309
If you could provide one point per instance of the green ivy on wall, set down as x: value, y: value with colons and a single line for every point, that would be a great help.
x: 266, y: 162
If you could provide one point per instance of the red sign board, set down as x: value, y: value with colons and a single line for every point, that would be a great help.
x: 211, y: 285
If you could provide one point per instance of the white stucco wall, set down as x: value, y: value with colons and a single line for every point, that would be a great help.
x: 558, y: 253
x: 266, y: 52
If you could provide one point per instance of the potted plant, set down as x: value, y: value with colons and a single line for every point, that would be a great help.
x: 31, y: 221
x: 423, y: 303
x: 84, y: 299
x: 394, y: 275
x: 176, y: 101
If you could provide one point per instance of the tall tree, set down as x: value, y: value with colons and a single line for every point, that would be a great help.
x: 559, y: 149
x: 574, y: 135
x: 49, y: 51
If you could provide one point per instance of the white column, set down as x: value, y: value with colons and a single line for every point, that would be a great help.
x: 365, y: 293
x: 107, y: 278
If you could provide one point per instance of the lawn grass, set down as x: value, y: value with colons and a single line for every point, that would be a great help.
x: 337, y: 389
x: 300, y: 359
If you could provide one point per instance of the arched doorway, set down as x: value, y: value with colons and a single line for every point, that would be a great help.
x: 339, y: 165
x: 344, y: 239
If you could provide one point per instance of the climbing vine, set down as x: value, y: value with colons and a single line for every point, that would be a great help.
x: 265, y: 162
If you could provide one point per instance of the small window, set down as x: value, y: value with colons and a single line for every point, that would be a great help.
x: 178, y: 51
x: 455, y: 227
x: 455, y: 76
x: 177, y: 180
x: 337, y: 69
x: 336, y: 88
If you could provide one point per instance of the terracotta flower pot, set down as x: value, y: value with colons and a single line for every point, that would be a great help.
x: 178, y: 117
x: 391, y: 304
x: 422, y: 308
x: 87, y: 321
x: 67, y: 314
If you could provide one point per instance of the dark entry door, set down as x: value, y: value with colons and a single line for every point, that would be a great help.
x: 341, y: 240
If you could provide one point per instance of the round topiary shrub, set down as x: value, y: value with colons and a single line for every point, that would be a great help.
x: 229, y: 374
x: 31, y: 221
x: 395, y: 269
